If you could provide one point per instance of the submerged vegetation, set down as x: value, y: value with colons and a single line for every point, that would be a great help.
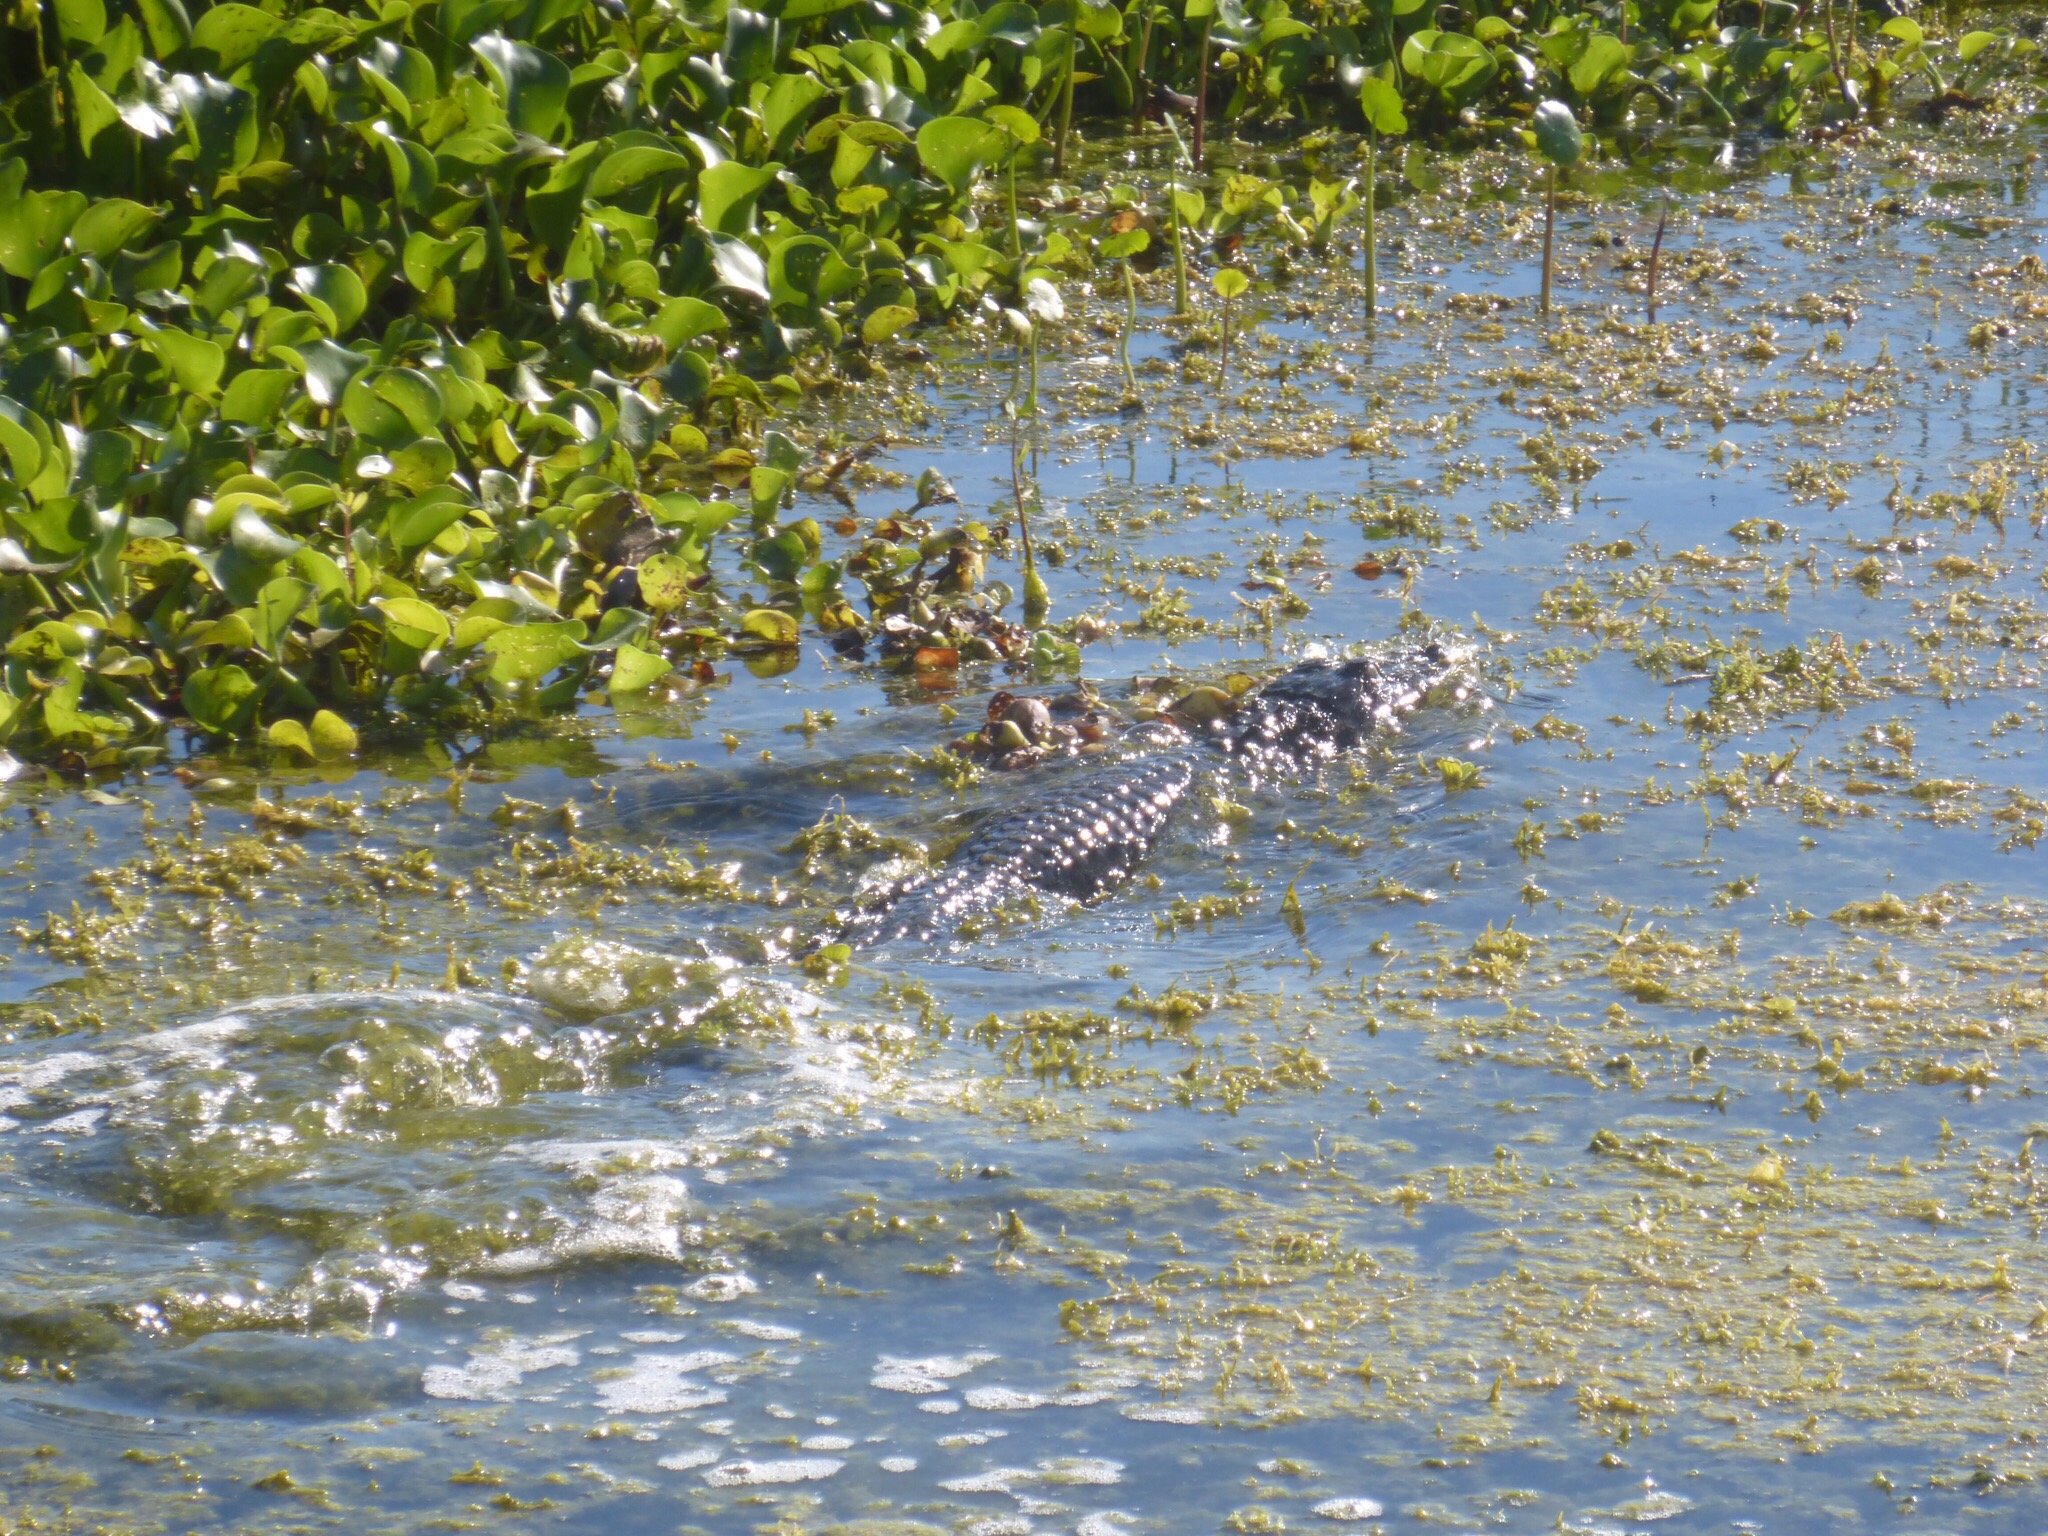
x: 395, y: 363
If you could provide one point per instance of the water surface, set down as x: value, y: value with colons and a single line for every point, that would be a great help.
x: 1637, y: 1132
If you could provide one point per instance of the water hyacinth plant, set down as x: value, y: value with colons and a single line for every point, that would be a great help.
x: 1230, y: 283
x: 1381, y: 103
x: 1558, y: 139
x: 1126, y: 237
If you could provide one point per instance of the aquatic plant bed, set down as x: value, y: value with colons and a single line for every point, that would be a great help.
x: 1610, y: 1105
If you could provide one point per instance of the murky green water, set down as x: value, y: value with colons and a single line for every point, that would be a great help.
x: 1637, y: 1132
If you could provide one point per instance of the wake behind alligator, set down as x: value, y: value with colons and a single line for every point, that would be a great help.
x: 1090, y: 834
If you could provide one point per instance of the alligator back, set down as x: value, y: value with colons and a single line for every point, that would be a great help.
x: 1091, y: 831
x: 1081, y: 840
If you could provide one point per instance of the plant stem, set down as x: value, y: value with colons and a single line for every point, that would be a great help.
x: 1549, y: 228
x: 1180, y: 258
x: 1372, y: 260
x: 1016, y: 237
x: 1138, y: 82
x: 1037, y: 600
x: 1130, y: 325
x: 495, y: 233
x: 1059, y: 148
x: 46, y: 17
x: 1657, y: 251
x: 1031, y: 405
x: 1223, y: 374
x: 1202, y: 93
x: 1835, y: 51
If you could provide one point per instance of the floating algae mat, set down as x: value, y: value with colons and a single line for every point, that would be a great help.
x: 1610, y: 1106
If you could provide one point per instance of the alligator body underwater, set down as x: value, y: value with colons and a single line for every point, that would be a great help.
x: 1090, y: 833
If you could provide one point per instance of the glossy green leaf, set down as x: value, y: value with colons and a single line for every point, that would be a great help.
x: 81, y: 22
x: 220, y: 699
x: 289, y: 736
x: 418, y: 522
x: 770, y: 626
x: 533, y: 85
x: 195, y: 362
x: 168, y: 24
x: 327, y: 368
x: 1381, y: 103
x: 334, y: 293
x: 231, y: 33
x: 413, y: 623
x: 33, y: 227
x: 526, y: 653
x: 740, y: 267
x: 22, y: 439
x: 788, y: 101
x: 1557, y: 133
x: 257, y: 396
x: 630, y: 165
x: 110, y: 227
x: 750, y: 44
x: 954, y: 149
x: 280, y: 602
x: 635, y: 670
x: 726, y: 194
x: 332, y: 737
x: 252, y: 535
x: 1604, y: 64
x: 665, y: 583
x: 1452, y: 63
x: 886, y: 321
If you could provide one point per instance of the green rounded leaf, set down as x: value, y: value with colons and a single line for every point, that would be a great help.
x: 533, y: 85
x: 1126, y: 245
x: 1454, y: 64
x: 328, y: 368
x: 1381, y: 103
x: 332, y: 736
x: 1014, y: 121
x: 1604, y: 62
x: 955, y: 148
x: 770, y: 626
x: 219, y: 699
x: 726, y: 194
x: 1229, y: 282
x: 411, y: 622
x: 630, y: 165
x: 665, y: 583
x: 251, y: 534
x: 232, y: 33
x: 526, y: 653
x: 334, y: 294
x: 423, y: 464
x: 886, y: 321
x: 289, y: 736
x: 78, y: 21
x: 194, y: 361
x: 739, y: 266
x: 635, y: 670
x: 110, y: 226
x: 255, y: 396
x: 1557, y: 133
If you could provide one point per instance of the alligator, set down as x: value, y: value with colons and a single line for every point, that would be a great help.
x: 1092, y: 831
